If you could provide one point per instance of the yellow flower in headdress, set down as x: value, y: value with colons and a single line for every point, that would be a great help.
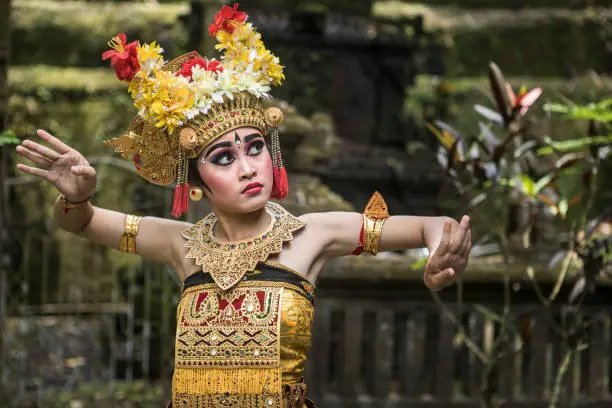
x: 168, y: 102
x: 150, y: 58
x: 169, y: 99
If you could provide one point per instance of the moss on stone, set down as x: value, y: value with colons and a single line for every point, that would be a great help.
x: 77, y: 32
x: 527, y: 41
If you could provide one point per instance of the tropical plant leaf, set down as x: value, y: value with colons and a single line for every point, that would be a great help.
x: 490, y: 139
x: 477, y: 200
x: 498, y: 83
x: 574, y: 144
x: 571, y: 159
x: 526, y: 184
x: 598, y: 111
x: 577, y: 290
x: 489, y: 114
x: 542, y: 182
x: 524, y: 148
x: 557, y: 257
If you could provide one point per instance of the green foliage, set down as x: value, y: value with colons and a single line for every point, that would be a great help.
x: 453, y: 100
x: 510, y: 188
x: 8, y: 137
x: 598, y: 111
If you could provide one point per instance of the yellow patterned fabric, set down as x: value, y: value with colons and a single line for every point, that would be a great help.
x: 244, y: 347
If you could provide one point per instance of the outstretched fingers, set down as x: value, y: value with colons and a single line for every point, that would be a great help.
x: 44, y: 151
x: 44, y: 174
x: 57, y: 144
x: 36, y: 158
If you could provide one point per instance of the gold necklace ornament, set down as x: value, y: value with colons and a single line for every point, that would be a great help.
x: 228, y: 262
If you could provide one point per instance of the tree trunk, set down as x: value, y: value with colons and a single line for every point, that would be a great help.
x: 5, y: 6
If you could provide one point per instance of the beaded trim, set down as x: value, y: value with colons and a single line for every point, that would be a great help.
x: 227, y: 263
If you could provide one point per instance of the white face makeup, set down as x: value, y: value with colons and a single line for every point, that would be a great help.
x: 237, y: 169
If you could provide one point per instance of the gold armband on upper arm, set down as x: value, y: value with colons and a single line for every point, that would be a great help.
x: 128, y: 239
x: 374, y: 217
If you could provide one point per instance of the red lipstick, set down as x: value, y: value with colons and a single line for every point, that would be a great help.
x: 252, y: 188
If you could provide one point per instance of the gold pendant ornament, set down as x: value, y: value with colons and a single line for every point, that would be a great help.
x: 228, y: 262
x: 196, y: 193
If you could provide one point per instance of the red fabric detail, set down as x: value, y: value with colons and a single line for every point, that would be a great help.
x: 359, y: 248
x: 261, y: 296
x: 280, y: 187
x: 181, y: 197
x: 238, y: 303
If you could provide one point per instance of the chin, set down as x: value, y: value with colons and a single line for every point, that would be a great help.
x: 248, y: 204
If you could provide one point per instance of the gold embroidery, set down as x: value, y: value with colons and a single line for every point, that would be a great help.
x: 227, y: 263
x: 227, y: 347
x: 246, y: 318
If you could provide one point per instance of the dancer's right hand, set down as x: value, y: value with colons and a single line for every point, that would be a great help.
x: 60, y: 165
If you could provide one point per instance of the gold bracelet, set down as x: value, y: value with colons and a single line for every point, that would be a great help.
x: 128, y: 238
x: 69, y: 205
x: 374, y: 217
x: 372, y: 231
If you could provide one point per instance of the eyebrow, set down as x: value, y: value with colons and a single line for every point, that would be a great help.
x: 217, y: 146
x: 220, y: 145
x: 252, y: 136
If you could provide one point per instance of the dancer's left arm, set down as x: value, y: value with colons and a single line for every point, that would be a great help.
x: 448, y: 241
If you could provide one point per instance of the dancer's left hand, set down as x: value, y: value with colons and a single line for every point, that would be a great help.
x: 449, y: 259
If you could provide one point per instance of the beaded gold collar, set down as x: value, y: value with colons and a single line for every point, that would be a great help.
x: 228, y: 262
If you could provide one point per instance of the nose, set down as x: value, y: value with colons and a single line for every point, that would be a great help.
x: 247, y: 170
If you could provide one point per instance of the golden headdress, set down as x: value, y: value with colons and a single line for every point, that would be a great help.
x: 187, y: 103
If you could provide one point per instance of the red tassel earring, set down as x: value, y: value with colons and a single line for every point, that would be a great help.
x: 181, y: 190
x: 280, y: 187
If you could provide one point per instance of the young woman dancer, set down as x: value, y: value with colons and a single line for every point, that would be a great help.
x: 248, y: 268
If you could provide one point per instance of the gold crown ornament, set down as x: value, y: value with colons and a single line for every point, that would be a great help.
x: 188, y: 102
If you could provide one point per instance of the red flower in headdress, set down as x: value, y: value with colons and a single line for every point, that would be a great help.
x: 212, y: 65
x: 226, y: 19
x: 124, y: 57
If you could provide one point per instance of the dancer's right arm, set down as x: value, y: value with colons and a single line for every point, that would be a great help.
x: 158, y: 239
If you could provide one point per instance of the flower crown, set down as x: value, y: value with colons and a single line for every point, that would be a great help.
x: 168, y: 99
x: 186, y: 103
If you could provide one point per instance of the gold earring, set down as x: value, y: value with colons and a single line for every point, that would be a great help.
x: 195, y: 193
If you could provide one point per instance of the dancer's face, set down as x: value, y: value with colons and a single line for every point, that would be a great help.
x: 237, y: 168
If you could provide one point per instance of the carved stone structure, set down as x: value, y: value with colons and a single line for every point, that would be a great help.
x: 358, y: 70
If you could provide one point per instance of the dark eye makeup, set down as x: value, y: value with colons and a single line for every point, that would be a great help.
x: 227, y: 157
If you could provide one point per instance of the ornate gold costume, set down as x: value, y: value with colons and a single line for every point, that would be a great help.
x: 244, y: 347
x: 228, y: 262
x: 243, y: 323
